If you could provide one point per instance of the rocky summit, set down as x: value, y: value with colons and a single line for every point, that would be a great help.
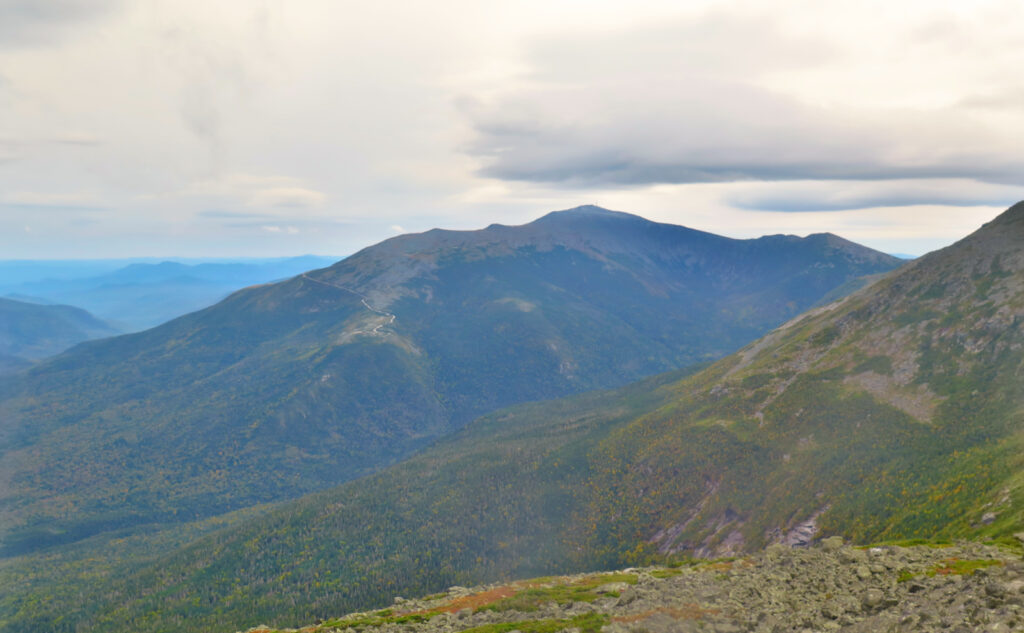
x: 830, y: 586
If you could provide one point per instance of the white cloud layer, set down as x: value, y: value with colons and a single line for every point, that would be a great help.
x: 694, y: 101
x: 246, y: 128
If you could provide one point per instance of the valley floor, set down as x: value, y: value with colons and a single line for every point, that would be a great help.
x: 828, y: 587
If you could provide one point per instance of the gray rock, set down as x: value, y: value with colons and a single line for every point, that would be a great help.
x: 873, y: 598
x: 830, y: 588
x: 627, y: 597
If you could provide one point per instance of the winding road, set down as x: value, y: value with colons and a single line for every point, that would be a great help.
x: 376, y: 330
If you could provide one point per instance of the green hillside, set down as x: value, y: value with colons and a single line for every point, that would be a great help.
x: 288, y: 388
x: 895, y: 413
x: 29, y: 331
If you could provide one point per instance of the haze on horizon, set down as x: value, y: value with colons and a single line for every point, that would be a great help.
x: 268, y: 128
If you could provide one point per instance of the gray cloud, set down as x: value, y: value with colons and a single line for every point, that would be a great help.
x: 275, y: 114
x: 684, y: 105
x: 845, y: 196
x: 40, y: 22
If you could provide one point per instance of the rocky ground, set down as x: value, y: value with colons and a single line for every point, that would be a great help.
x: 828, y: 587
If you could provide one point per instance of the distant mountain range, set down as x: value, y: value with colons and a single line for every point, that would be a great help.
x: 30, y: 332
x: 288, y: 388
x: 895, y: 412
x: 133, y: 296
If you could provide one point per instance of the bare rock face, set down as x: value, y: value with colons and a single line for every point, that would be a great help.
x: 831, y: 586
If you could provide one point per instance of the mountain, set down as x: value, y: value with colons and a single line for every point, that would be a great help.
x: 141, y: 295
x: 11, y: 364
x: 288, y: 388
x: 897, y: 412
x: 30, y: 332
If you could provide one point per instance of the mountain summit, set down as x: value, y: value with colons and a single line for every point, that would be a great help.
x: 894, y: 413
x: 287, y: 388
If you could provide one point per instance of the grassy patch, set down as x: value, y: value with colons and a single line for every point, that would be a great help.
x: 951, y: 567
x: 957, y: 567
x: 372, y: 621
x: 1008, y: 542
x: 584, y: 590
x: 912, y: 542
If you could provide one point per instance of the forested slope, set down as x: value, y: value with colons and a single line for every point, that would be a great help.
x: 897, y: 412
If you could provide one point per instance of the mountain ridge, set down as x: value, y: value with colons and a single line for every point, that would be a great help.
x: 283, y: 389
x: 897, y: 412
x: 398, y: 259
x: 140, y: 295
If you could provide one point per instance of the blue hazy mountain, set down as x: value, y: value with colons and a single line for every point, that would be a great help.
x: 29, y: 332
x: 139, y: 295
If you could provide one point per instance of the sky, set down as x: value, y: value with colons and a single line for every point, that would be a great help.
x: 232, y: 128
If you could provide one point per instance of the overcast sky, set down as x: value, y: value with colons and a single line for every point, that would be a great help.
x: 228, y: 128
